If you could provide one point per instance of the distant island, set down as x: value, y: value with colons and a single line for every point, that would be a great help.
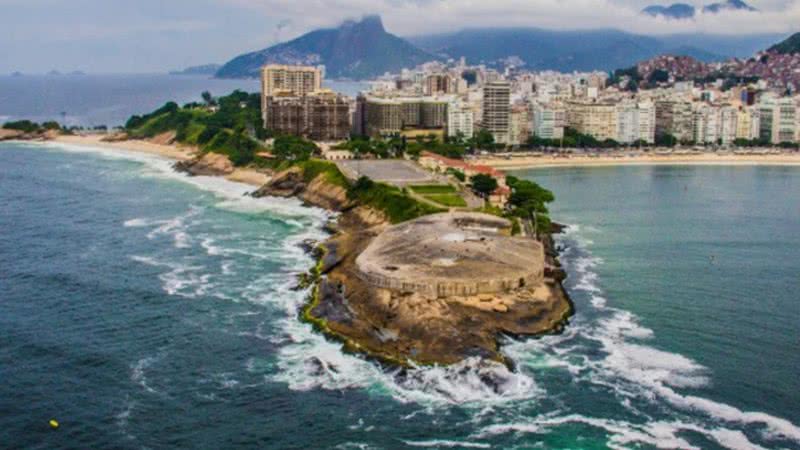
x: 205, y: 69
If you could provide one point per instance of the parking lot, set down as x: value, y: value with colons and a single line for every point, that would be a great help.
x: 394, y: 171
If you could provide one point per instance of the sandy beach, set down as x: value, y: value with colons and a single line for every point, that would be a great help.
x: 176, y: 152
x: 532, y: 162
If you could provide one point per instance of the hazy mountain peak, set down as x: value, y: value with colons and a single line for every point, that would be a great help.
x: 685, y: 11
x: 355, y: 49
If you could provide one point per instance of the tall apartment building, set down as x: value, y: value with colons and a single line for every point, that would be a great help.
x: 497, y: 110
x: 378, y: 116
x: 748, y: 123
x: 460, y: 120
x: 320, y: 116
x: 728, y: 115
x: 675, y: 118
x: 706, y: 124
x: 595, y: 119
x: 291, y: 80
x: 636, y: 122
x: 549, y: 120
x: 439, y: 84
x: 779, y: 120
x: 519, y: 128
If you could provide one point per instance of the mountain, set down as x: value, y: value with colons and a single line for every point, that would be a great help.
x: 680, y: 11
x: 206, y: 69
x: 355, y: 50
x: 789, y: 46
x: 673, y: 11
x: 730, y: 5
x: 543, y: 49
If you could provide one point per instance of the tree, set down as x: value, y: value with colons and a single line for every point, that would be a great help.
x: 293, y: 148
x: 207, y: 98
x: 666, y: 140
x: 483, y: 184
x: 484, y: 139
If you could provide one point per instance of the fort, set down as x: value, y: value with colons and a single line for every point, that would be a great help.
x: 452, y: 254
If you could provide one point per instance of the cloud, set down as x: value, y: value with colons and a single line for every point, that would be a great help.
x: 153, y: 35
x: 410, y: 17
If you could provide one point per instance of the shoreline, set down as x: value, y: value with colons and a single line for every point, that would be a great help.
x: 707, y: 159
x: 327, y: 310
x: 174, y: 152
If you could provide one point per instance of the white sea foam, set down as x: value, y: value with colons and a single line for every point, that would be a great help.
x: 138, y: 372
x: 444, y: 443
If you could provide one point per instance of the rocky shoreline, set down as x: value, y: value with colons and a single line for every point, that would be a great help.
x: 395, y: 327
x: 400, y: 328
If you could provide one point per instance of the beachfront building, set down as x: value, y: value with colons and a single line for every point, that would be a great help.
x: 595, y: 119
x: 519, y: 125
x: 497, y: 110
x: 779, y: 119
x: 675, y: 118
x: 288, y: 80
x: 549, y: 120
x: 320, y: 116
x: 298, y: 80
x: 381, y: 116
x: 748, y: 123
x: 460, y: 120
x: 727, y: 124
x: 636, y: 122
x: 706, y: 124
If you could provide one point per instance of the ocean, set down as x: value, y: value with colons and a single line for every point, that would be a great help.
x: 145, y: 309
x: 93, y: 100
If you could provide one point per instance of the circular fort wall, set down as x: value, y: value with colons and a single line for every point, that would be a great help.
x: 452, y: 254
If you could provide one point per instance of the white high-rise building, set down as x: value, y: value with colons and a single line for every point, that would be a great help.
x: 460, y: 120
x: 636, y: 122
x: 549, y: 120
x: 779, y: 120
x: 728, y: 116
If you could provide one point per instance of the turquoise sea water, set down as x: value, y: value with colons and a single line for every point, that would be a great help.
x: 144, y: 309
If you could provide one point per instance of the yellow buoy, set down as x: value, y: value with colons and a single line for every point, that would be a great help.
x: 53, y: 423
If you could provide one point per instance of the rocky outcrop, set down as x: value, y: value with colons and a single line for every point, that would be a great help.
x: 7, y: 135
x: 318, y: 192
x: 209, y: 164
x: 46, y: 135
x: 399, y: 326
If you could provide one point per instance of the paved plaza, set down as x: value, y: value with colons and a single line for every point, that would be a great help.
x: 394, y: 171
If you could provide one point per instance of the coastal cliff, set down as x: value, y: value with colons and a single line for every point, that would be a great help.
x: 399, y: 326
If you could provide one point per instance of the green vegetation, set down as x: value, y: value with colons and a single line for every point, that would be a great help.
x: 631, y: 75
x: 483, y: 184
x: 232, y: 127
x: 293, y: 148
x: 427, y: 189
x: 529, y: 200
x: 572, y: 139
x: 362, y: 146
x: 396, y: 204
x: 790, y: 45
x: 315, y: 167
x: 26, y: 126
x: 449, y: 200
x: 460, y: 176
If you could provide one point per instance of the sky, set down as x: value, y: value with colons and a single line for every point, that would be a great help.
x: 124, y: 36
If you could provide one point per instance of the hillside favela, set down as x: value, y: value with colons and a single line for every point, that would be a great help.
x: 400, y: 225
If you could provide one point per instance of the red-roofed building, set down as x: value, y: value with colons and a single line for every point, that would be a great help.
x: 433, y: 161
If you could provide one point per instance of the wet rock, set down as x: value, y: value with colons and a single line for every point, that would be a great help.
x: 209, y: 164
